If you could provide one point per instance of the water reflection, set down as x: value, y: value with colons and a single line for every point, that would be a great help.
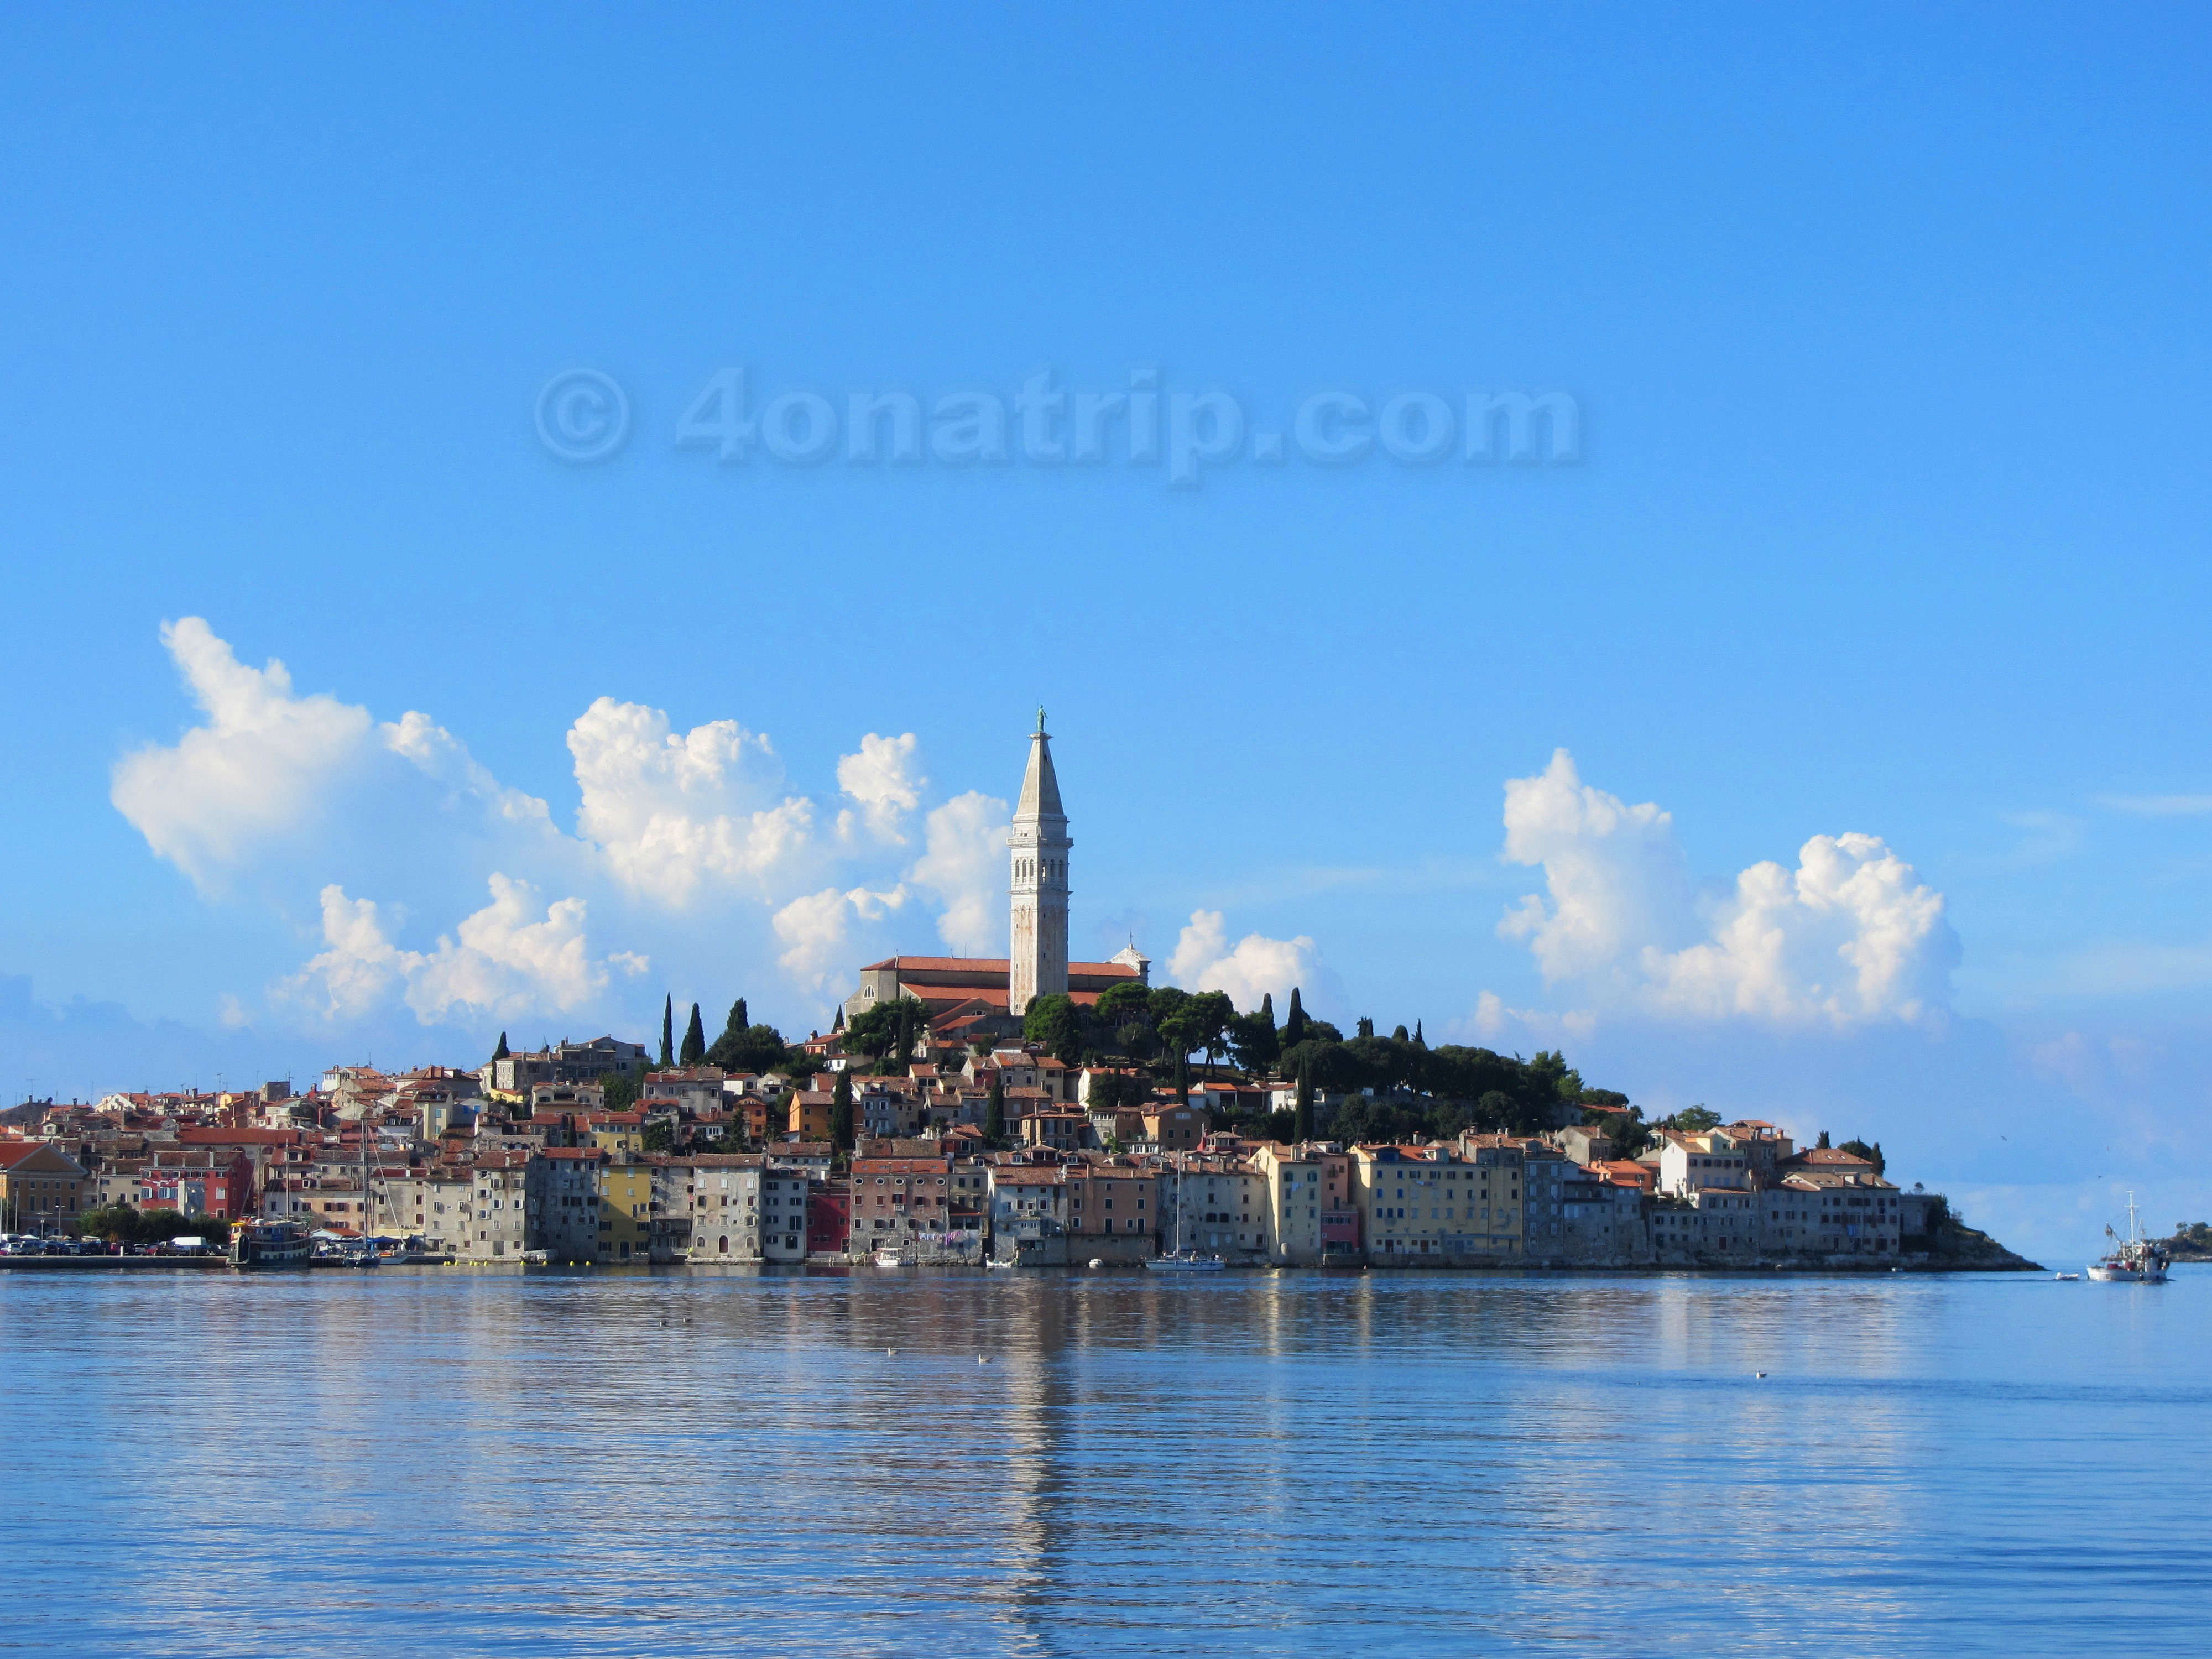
x: 750, y: 1461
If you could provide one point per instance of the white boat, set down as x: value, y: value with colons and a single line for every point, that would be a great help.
x: 1185, y: 1261
x: 2067, y: 1278
x: 1097, y: 1262
x: 889, y: 1259
x: 2134, y: 1259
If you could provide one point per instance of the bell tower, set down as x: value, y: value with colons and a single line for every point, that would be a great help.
x: 1039, y: 845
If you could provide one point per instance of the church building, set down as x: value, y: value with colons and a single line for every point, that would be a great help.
x: 987, y: 996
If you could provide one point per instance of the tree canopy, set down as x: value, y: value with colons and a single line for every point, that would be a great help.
x: 1054, y: 1021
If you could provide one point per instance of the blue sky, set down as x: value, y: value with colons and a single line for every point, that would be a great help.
x: 1886, y: 328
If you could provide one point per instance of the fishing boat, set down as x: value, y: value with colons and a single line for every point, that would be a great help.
x: 889, y: 1259
x: 1184, y: 1261
x: 2134, y: 1259
x: 270, y: 1245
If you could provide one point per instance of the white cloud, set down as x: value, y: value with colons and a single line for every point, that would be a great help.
x: 255, y: 769
x: 1851, y: 936
x: 437, y: 754
x: 2158, y: 806
x: 502, y: 959
x: 964, y: 866
x: 883, y: 779
x: 1256, y: 966
x: 1494, y: 1020
x: 669, y: 812
x: 816, y: 930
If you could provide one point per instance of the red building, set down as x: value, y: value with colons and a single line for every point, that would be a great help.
x: 829, y: 1214
x: 214, y: 1181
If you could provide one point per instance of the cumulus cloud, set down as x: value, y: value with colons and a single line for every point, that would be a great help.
x: 503, y: 959
x: 1851, y: 936
x: 1255, y: 966
x: 671, y: 811
x: 964, y: 866
x: 252, y: 770
x: 883, y: 779
x: 688, y: 840
x: 816, y: 930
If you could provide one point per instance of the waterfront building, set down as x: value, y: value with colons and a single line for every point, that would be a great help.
x: 1214, y: 1204
x: 708, y: 1207
x: 498, y: 1193
x: 1111, y: 1208
x: 42, y: 1189
x: 894, y: 1199
x: 784, y: 1211
x: 1291, y: 1221
x: 561, y: 1203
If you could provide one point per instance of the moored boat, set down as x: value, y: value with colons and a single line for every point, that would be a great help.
x: 270, y: 1245
x: 1184, y: 1261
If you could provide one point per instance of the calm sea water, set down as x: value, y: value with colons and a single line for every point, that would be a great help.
x: 448, y: 1462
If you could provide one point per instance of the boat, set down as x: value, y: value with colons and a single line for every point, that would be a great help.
x: 270, y: 1245
x: 1185, y: 1261
x: 996, y: 1262
x: 889, y: 1259
x: 537, y: 1258
x: 2134, y: 1259
x: 2066, y: 1279
x: 1097, y: 1262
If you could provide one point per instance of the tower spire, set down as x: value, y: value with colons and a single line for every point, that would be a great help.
x: 1038, y: 844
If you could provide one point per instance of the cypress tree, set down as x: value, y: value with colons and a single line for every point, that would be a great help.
x: 1268, y: 1008
x: 1303, y: 1114
x: 1294, y: 1028
x: 695, y: 1040
x: 994, y: 1114
x: 500, y: 1053
x: 1419, y: 1042
x: 841, y: 1112
x: 1182, y: 1079
x: 667, y: 1032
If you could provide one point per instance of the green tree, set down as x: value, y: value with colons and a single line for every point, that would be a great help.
x: 994, y: 1114
x: 622, y: 1088
x: 756, y: 1048
x: 1858, y: 1148
x: 1400, y: 1035
x: 841, y: 1112
x: 1054, y: 1021
x: 1822, y: 1143
x: 876, y: 1031
x: 1119, y: 1004
x: 1211, y: 1014
x: 500, y: 1053
x: 1302, y: 1113
x: 1696, y: 1119
x: 695, y: 1041
x: 1419, y: 1042
x: 667, y: 1032
x: 1294, y: 1026
x: 1253, y: 1038
x: 659, y: 1136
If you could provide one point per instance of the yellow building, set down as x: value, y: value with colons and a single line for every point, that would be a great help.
x: 810, y: 1113
x: 42, y: 1189
x: 1438, y: 1202
x: 625, y: 1212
